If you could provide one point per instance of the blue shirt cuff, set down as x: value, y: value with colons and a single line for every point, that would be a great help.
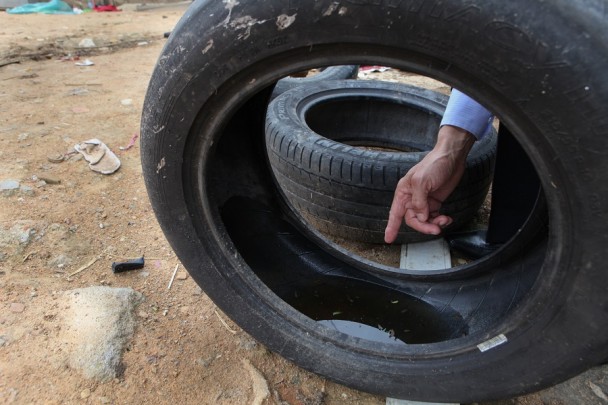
x: 466, y: 113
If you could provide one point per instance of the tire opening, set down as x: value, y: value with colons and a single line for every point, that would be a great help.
x: 345, y: 192
x: 346, y: 291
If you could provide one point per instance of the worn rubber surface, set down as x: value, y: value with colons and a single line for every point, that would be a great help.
x: 528, y: 316
x: 327, y: 73
x: 313, y: 138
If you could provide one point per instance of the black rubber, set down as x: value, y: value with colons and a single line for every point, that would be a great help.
x: 527, y: 316
x: 327, y: 73
x: 312, y: 137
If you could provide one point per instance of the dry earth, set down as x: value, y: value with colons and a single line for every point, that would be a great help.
x: 65, y: 217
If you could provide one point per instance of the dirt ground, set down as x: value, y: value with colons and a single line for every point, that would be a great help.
x: 67, y: 218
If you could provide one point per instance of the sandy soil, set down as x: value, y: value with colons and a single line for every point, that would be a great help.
x: 184, y: 350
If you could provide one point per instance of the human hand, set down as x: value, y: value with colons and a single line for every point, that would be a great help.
x: 420, y: 193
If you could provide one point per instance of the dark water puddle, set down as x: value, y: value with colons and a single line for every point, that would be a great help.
x: 327, y: 290
x: 373, y: 312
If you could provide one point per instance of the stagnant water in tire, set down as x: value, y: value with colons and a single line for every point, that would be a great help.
x: 372, y: 313
x: 320, y: 287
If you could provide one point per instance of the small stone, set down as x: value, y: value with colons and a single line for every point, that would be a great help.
x: 17, y: 307
x: 3, y: 340
x: 9, y: 187
x: 182, y: 276
x: 86, y: 43
x: 85, y: 393
x: 26, y: 190
x: 9, y: 184
x: 50, y: 179
x: 56, y: 158
x: 78, y: 91
x: 23, y: 136
x: 104, y: 400
x: 126, y: 101
x: 60, y: 261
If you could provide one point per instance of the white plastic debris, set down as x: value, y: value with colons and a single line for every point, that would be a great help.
x: 101, y: 159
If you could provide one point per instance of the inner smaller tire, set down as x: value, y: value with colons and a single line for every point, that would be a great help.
x: 338, y: 148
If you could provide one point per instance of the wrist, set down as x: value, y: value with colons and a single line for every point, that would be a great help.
x: 454, y: 140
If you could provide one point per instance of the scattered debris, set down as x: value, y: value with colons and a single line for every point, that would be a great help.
x: 173, y: 277
x: 86, y: 43
x: 101, y: 159
x: 86, y: 62
x: 131, y: 142
x: 26, y: 257
x: 260, y: 385
x: 84, y: 394
x: 597, y: 391
x: 69, y: 58
x: 126, y: 102
x: 374, y: 68
x: 51, y: 7
x: 106, y: 8
x: 49, y: 179
x: 224, y: 323
x: 83, y: 268
x: 134, y: 264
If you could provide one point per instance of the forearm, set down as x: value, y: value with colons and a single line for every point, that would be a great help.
x: 454, y: 143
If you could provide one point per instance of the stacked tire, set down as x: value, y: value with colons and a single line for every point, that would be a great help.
x: 318, y: 138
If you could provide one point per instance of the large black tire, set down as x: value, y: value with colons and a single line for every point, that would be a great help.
x: 511, y: 323
x: 311, y: 137
x: 328, y: 73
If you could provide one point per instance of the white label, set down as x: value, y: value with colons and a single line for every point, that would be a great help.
x: 492, y: 343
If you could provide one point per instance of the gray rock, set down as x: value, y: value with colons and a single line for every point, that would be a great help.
x: 21, y: 233
x: 86, y: 43
x: 9, y: 187
x: 99, y: 322
x: 60, y: 261
x: 26, y: 190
